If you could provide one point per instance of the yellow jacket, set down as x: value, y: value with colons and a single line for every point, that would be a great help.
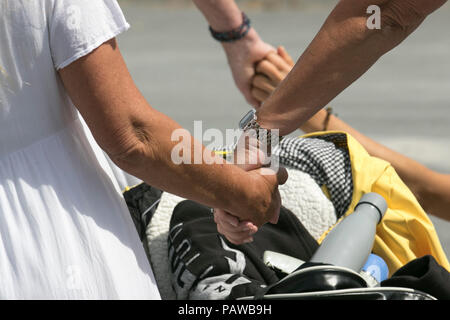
x: 406, y: 232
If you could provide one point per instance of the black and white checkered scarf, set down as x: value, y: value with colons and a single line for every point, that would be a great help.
x: 325, y: 158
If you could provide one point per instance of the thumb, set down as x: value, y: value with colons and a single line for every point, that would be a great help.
x: 282, y: 176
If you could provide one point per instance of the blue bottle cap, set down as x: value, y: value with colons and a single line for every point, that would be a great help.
x: 376, y: 267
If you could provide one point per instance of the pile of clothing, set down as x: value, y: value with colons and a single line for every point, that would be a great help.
x: 328, y: 175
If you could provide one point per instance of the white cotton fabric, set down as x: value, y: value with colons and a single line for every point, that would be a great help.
x: 65, y: 231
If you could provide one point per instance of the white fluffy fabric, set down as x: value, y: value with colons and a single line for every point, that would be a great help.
x: 157, y: 233
x: 306, y: 200
x: 300, y: 194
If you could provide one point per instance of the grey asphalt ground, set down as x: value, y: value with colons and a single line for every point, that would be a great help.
x: 402, y: 102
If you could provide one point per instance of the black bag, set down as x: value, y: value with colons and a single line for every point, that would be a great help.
x: 327, y: 282
x: 206, y: 266
x: 142, y: 201
x: 423, y: 274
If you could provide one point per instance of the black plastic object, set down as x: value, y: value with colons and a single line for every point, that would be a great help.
x: 318, y: 278
x: 389, y: 293
x: 327, y: 282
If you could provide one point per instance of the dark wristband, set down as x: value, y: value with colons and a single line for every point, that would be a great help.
x: 235, y: 34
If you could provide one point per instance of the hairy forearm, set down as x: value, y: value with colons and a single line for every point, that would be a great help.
x: 342, y: 51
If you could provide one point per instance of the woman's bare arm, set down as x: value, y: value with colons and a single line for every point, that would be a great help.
x: 138, y: 139
x: 225, y: 15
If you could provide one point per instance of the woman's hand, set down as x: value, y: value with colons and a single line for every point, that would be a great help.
x: 239, y: 232
x: 250, y: 156
x: 242, y: 57
x: 270, y: 72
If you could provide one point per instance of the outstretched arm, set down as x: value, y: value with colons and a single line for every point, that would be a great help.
x: 343, y: 50
x: 432, y: 189
x: 138, y: 139
x: 243, y: 54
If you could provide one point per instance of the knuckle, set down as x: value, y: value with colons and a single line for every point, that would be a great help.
x: 255, y: 91
x: 262, y: 65
x: 258, y: 79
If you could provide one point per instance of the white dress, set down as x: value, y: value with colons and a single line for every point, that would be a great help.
x: 65, y: 231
